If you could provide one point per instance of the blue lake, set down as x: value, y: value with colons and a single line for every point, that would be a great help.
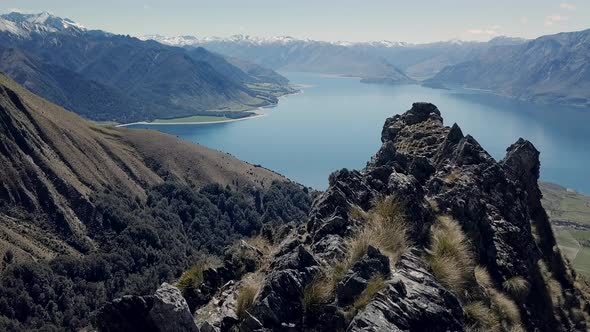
x: 336, y: 123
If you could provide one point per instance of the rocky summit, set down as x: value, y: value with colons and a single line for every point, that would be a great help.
x: 432, y: 235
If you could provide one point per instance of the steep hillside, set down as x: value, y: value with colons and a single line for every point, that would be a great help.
x: 45, y: 146
x: 73, y: 91
x: 433, y: 235
x: 73, y: 193
x: 422, y: 61
x: 142, y: 80
x: 550, y: 69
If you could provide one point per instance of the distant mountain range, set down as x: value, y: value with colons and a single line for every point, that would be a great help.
x: 549, y: 69
x: 290, y: 54
x: 364, y: 59
x: 108, y: 77
x: 554, y: 69
x: 111, y: 77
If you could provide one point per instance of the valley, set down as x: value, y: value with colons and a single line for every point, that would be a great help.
x: 108, y: 77
x: 336, y: 181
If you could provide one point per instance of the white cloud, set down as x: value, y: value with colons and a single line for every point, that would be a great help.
x: 524, y: 20
x: 147, y: 7
x: 552, y: 19
x: 567, y: 6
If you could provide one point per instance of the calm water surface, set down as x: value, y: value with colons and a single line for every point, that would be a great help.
x: 336, y: 123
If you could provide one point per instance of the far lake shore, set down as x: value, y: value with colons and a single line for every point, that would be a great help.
x: 179, y: 122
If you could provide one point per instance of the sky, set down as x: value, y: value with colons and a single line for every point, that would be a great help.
x: 417, y: 21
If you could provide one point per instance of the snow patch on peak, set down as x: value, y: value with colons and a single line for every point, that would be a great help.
x: 23, y: 25
x: 12, y: 28
x: 173, y: 41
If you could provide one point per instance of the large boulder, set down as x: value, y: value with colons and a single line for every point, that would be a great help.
x: 165, y: 311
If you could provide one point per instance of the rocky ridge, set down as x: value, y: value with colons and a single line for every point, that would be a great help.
x: 441, y: 181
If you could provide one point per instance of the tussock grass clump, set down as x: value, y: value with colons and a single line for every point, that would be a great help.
x: 261, y: 243
x: 483, y: 318
x: 450, y: 256
x: 482, y: 277
x: 553, y: 286
x: 245, y: 299
x: 358, y: 214
x: 193, y: 277
x: 517, y: 287
x: 384, y: 228
x: 506, y: 308
x: 453, y: 265
x: 319, y: 291
x: 375, y: 285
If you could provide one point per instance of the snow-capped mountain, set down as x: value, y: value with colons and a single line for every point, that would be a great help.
x: 253, y: 40
x: 23, y: 25
x: 363, y: 59
x: 172, y: 41
x: 91, y: 72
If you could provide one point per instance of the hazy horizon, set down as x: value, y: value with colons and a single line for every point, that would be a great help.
x: 417, y: 22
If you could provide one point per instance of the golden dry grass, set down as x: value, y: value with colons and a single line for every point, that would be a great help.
x: 450, y: 256
x: 506, y: 308
x: 246, y: 296
x: 553, y: 286
x: 375, y: 285
x: 517, y: 287
x: 357, y: 213
x: 319, y: 291
x: 261, y: 243
x: 193, y: 277
x: 482, y: 277
x: 453, y: 265
x: 482, y: 318
x: 384, y: 228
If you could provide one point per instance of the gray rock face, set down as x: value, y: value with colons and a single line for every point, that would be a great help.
x: 278, y: 305
x: 373, y: 264
x: 170, y: 311
x: 412, y: 301
x: 165, y: 311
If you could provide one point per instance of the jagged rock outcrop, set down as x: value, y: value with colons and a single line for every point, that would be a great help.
x: 412, y: 293
x: 165, y: 311
x: 432, y: 171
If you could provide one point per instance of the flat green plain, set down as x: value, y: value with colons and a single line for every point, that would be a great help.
x: 193, y: 119
x: 569, y: 212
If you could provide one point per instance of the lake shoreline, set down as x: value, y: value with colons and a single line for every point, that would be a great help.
x: 255, y: 113
x: 254, y: 116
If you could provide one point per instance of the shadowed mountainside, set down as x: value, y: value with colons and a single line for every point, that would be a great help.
x: 110, y: 77
x: 551, y: 69
x: 93, y: 212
